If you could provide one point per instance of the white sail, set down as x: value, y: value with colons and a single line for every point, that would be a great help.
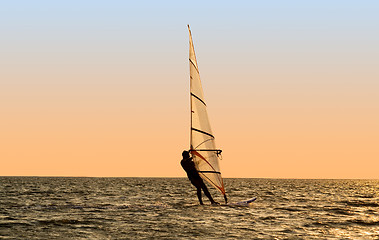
x: 203, y: 148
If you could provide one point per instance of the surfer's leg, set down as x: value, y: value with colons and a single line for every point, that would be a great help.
x: 199, y: 195
x: 206, y: 192
x: 197, y: 184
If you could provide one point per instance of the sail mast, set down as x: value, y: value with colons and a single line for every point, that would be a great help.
x: 191, y: 46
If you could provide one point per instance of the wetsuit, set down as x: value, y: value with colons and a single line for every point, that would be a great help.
x: 189, y: 166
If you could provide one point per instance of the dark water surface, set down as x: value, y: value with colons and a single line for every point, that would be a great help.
x: 167, y: 208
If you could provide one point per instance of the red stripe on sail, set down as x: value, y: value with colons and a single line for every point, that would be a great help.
x: 222, y: 189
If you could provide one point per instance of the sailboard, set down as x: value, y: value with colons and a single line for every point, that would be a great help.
x: 203, y: 150
x: 243, y: 203
x: 202, y: 141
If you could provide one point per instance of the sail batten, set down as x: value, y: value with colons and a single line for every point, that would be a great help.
x: 197, y: 130
x: 209, y: 172
x: 202, y: 141
x: 195, y: 65
x: 193, y: 95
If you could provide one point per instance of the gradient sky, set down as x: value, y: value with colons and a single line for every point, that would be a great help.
x: 100, y: 88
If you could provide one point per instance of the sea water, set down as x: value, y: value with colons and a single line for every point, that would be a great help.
x: 167, y: 208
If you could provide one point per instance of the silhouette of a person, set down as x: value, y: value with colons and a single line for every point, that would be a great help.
x: 189, y: 166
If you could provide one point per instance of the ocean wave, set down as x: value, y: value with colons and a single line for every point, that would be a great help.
x: 342, y: 223
x: 341, y: 211
x: 364, y: 222
x: 9, y: 224
x: 291, y: 209
x: 68, y: 222
x: 359, y: 203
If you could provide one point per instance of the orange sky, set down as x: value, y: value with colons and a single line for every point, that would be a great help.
x: 292, y: 98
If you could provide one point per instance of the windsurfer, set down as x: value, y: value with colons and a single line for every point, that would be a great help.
x: 189, y: 166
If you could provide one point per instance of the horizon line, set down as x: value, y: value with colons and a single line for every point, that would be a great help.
x: 284, y: 178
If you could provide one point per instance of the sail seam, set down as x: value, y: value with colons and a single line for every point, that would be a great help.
x: 198, y: 99
x: 197, y: 130
x: 194, y: 65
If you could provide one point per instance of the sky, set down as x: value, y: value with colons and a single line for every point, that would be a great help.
x: 101, y: 88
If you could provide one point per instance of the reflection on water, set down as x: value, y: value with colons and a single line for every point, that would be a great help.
x: 129, y: 208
